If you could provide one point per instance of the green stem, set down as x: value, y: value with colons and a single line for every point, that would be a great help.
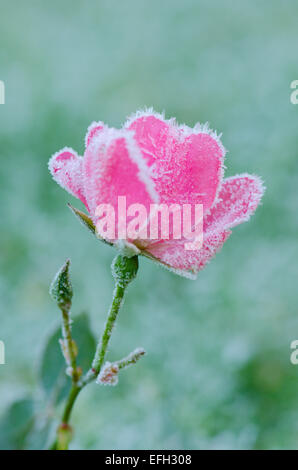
x: 75, y: 390
x: 124, y: 271
x: 60, y: 443
x: 98, y: 361
x: 66, y: 330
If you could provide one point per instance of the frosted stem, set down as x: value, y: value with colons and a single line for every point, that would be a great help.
x: 124, y: 270
x: 66, y: 332
x: 102, y: 346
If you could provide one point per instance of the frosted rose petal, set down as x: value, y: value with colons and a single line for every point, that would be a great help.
x: 115, y: 167
x: 174, y: 255
x: 186, y: 163
x: 239, y: 197
x: 93, y: 130
x: 66, y: 168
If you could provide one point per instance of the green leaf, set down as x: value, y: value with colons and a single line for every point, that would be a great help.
x: 16, y: 424
x: 85, y: 340
x: 54, y: 381
x: 52, y: 369
x: 83, y: 218
x: 87, y: 222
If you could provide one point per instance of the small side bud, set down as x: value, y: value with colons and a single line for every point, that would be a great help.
x: 61, y: 288
x: 124, y: 269
x: 108, y: 374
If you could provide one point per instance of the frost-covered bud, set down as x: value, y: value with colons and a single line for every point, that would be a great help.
x: 124, y: 269
x: 108, y: 374
x: 61, y: 288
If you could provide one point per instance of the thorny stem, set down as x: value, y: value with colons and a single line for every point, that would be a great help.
x: 122, y: 279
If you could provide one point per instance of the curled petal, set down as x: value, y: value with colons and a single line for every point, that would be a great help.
x: 66, y: 168
x: 92, y: 131
x: 238, y: 199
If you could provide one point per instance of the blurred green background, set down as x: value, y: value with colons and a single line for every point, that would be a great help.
x: 217, y: 374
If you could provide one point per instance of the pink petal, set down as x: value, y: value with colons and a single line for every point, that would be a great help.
x: 92, y: 131
x: 114, y: 166
x: 151, y: 133
x: 66, y: 168
x: 187, y: 263
x: 187, y: 163
x: 238, y: 199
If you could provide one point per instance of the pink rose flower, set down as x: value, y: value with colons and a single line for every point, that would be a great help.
x: 154, y: 160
